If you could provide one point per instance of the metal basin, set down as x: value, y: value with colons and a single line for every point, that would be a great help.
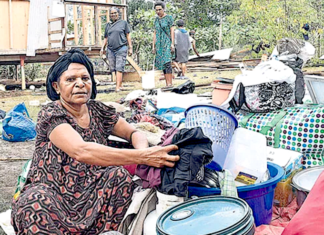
x: 304, y: 181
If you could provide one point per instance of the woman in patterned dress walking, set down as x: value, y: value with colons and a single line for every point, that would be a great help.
x: 163, y: 41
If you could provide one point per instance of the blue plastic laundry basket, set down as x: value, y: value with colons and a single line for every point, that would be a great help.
x: 218, y: 124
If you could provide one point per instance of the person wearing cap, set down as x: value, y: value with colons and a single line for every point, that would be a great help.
x: 118, y: 43
x: 182, y: 46
x: 77, y: 183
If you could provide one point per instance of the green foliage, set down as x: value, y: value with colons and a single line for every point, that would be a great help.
x: 271, y: 20
x: 7, y: 71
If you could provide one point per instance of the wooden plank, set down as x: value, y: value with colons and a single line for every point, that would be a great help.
x: 55, y: 19
x: 131, y: 77
x: 63, y: 31
x: 135, y: 66
x: 55, y: 31
x: 110, y: 4
x: 4, y: 26
x: 20, y: 24
x: 49, y: 27
x: 54, y: 41
x: 10, y: 25
x: 124, y: 10
x: 99, y: 30
x: 92, y: 28
x: 85, y: 26
x: 75, y: 21
x: 108, y: 16
x: 97, y: 27
x: 66, y: 9
x: 23, y: 78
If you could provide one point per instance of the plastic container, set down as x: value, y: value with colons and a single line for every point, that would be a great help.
x: 148, y: 80
x: 218, y: 124
x: 208, y: 215
x: 220, y: 92
x: 165, y: 202
x: 247, y: 157
x: 149, y: 227
x: 259, y: 196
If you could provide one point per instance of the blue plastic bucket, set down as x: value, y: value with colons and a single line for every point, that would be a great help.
x: 213, y: 215
x: 218, y: 125
x: 258, y: 196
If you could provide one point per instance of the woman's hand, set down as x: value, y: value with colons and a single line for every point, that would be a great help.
x: 158, y: 156
x: 153, y: 51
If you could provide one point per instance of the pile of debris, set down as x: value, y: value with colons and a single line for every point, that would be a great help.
x: 218, y: 60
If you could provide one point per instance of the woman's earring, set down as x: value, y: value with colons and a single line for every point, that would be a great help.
x: 58, y: 92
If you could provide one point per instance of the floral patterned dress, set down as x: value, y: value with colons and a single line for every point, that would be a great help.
x: 163, y: 41
x: 64, y: 196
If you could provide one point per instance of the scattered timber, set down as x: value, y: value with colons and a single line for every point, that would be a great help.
x: 205, y: 64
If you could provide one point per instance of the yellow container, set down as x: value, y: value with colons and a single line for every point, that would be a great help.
x: 284, y: 192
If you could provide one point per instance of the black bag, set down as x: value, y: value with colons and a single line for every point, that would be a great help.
x: 263, y: 98
x: 185, y: 88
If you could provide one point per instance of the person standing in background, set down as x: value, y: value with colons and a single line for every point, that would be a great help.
x: 163, y: 41
x: 117, y: 37
x: 182, y: 46
x: 193, y: 41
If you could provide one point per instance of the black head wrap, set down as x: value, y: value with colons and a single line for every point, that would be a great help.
x: 75, y: 55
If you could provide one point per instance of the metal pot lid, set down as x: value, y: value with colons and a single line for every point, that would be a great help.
x: 206, y: 215
x: 305, y: 179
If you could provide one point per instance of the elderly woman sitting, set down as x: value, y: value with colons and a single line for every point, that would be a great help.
x: 76, y: 184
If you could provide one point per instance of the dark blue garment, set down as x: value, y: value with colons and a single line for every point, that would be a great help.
x: 195, y: 151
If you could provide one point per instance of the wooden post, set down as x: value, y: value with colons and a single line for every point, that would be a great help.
x: 124, y: 10
x: 65, y: 25
x: 63, y: 31
x: 49, y: 27
x: 76, y: 27
x: 97, y: 26
x: 85, y: 26
x: 16, y: 77
x: 92, y: 28
x: 108, y: 16
x: 23, y: 78
x: 10, y: 25
x: 220, y: 33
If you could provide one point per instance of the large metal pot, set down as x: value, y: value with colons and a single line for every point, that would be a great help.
x: 304, y: 181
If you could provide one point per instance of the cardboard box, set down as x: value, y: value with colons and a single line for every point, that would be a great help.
x: 289, y: 160
x: 284, y: 192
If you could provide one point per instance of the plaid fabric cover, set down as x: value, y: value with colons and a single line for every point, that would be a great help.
x: 227, y: 184
x: 298, y: 128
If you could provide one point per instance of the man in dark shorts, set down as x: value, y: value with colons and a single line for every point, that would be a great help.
x: 117, y: 38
